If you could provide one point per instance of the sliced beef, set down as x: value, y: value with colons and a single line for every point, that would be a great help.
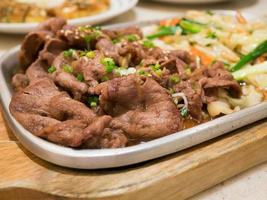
x: 49, y: 113
x: 108, y: 49
x: 203, y: 85
x: 141, y: 108
x: 35, y: 40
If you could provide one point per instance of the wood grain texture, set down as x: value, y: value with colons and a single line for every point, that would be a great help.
x: 178, y: 176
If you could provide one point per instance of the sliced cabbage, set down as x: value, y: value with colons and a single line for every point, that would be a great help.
x: 216, y: 108
x: 250, y: 96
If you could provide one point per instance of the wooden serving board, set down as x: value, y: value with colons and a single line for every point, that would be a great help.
x: 177, y: 176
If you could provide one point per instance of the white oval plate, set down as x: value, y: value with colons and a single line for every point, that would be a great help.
x: 117, y: 7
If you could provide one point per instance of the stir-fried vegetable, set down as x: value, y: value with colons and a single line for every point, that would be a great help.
x: 256, y: 69
x: 164, y: 31
x: 190, y: 26
x: 258, y: 51
x: 184, y: 112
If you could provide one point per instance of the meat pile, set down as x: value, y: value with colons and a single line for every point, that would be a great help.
x: 84, y: 87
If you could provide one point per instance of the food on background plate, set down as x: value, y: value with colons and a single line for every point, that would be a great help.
x: 17, y: 11
x: 87, y: 87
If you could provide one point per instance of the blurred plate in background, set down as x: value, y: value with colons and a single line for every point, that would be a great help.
x: 117, y: 7
x: 190, y: 1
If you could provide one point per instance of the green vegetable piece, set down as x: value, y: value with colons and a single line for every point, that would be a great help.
x: 116, y: 40
x: 68, y: 53
x: 188, y: 71
x: 175, y: 79
x: 184, y: 112
x: 148, y: 44
x: 190, y: 26
x: 256, y: 69
x: 142, y: 72
x: 104, y: 78
x: 212, y: 35
x: 88, y: 38
x: 132, y: 38
x: 90, y: 54
x: 93, y: 101
x: 109, y: 64
x: 258, y: 51
x: 163, y: 31
x: 52, y: 69
x: 68, y: 69
x: 155, y: 67
x: 80, y: 77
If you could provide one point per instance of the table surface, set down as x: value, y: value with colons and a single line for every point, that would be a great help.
x: 248, y: 185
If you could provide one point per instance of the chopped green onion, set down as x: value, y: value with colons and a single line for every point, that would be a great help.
x: 188, y: 71
x: 164, y: 30
x: 258, y: 51
x: 132, y: 38
x: 80, y: 77
x: 155, y: 67
x: 142, y: 72
x: 104, y: 78
x: 91, y: 36
x: 190, y: 26
x: 68, y: 53
x: 116, y: 40
x: 90, y: 54
x: 174, y: 79
x: 93, y: 101
x: 109, y: 64
x: 52, y: 69
x: 68, y: 68
x: 88, y: 38
x: 184, y: 112
x: 148, y: 44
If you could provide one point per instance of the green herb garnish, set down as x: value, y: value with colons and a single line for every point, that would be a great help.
x: 80, y: 77
x: 93, y: 101
x: 132, y: 38
x: 52, y: 69
x: 175, y: 79
x: 148, y: 44
x: 104, y: 78
x: 90, y: 54
x: 184, y: 112
x: 109, y: 64
x: 164, y: 30
x: 68, y: 69
x: 68, y: 53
